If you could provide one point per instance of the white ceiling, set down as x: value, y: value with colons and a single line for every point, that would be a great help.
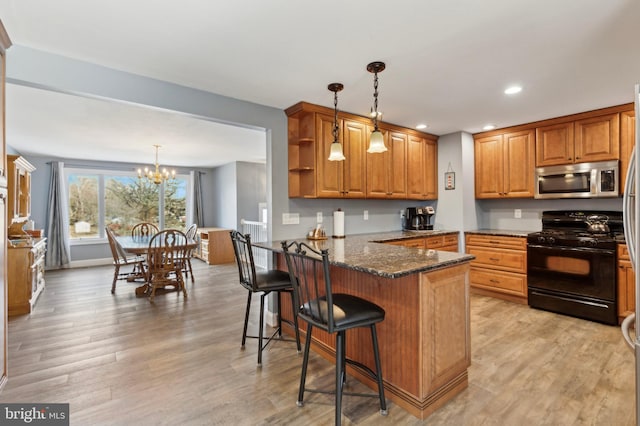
x: 448, y: 63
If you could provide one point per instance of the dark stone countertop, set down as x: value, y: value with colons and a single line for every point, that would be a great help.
x: 365, y: 253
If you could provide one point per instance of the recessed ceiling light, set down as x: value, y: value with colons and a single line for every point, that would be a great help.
x: 421, y: 126
x: 489, y: 127
x: 512, y: 90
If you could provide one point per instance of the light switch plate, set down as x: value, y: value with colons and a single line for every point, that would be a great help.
x: 319, y: 217
x: 290, y: 218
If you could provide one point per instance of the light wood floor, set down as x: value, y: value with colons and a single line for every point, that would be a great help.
x: 119, y: 360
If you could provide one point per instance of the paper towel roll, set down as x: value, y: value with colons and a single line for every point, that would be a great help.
x: 338, y: 224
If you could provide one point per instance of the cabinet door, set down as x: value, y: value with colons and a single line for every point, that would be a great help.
x: 415, y: 168
x: 518, y: 164
x: 597, y: 138
x: 431, y: 170
x: 378, y: 170
x: 627, y: 142
x: 626, y: 289
x: 387, y: 171
x: 355, y: 141
x: 329, y: 174
x: 489, y: 174
x: 554, y: 144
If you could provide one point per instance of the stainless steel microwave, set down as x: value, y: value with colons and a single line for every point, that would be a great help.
x: 582, y: 180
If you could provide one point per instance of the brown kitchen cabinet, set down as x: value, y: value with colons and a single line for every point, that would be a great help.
x: 504, y: 165
x: 19, y: 184
x: 626, y: 284
x: 446, y: 242
x: 422, y: 168
x: 627, y: 142
x: 214, y: 246
x: 581, y: 141
x: 341, y: 179
x: 25, y: 260
x: 387, y: 171
x: 500, y: 266
x: 382, y: 175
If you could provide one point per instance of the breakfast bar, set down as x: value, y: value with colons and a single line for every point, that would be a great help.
x: 424, y: 338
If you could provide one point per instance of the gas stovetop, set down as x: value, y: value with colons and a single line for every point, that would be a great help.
x: 570, y: 228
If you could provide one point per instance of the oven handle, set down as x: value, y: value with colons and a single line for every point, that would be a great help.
x: 571, y: 249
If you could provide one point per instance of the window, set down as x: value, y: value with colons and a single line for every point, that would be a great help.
x: 120, y: 200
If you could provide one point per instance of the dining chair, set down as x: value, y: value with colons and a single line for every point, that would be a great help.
x: 120, y: 258
x: 165, y: 260
x: 144, y: 229
x: 191, y: 234
x: 263, y: 282
x: 335, y: 313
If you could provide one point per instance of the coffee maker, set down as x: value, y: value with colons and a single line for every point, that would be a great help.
x: 418, y: 218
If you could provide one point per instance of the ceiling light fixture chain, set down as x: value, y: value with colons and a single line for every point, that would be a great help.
x: 376, y: 142
x: 336, y: 153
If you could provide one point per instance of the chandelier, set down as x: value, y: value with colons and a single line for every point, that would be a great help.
x: 376, y: 143
x: 156, y: 176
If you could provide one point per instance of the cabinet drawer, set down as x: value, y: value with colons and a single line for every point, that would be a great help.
x: 506, y: 260
x: 514, y: 243
x: 623, y: 252
x: 504, y: 282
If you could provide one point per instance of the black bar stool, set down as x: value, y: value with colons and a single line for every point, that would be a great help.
x: 333, y: 313
x: 263, y: 282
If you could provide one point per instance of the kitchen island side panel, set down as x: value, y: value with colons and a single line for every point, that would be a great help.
x: 424, y: 338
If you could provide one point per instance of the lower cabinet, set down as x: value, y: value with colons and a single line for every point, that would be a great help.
x: 500, y: 266
x: 25, y: 274
x: 214, y: 246
x: 626, y: 284
x: 446, y: 242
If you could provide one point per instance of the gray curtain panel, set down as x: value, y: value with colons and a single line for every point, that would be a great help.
x: 57, y: 224
x: 198, y: 210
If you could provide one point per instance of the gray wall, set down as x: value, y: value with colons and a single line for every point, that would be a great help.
x: 455, y: 210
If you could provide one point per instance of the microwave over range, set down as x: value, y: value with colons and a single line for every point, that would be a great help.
x: 581, y: 180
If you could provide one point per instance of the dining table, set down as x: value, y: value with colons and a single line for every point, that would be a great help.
x: 139, y: 245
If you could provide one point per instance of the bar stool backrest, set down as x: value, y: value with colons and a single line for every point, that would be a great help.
x: 309, y: 271
x: 244, y: 259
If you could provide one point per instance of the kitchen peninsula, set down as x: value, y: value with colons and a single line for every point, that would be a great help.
x: 424, y: 338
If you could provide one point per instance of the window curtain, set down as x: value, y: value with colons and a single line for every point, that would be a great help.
x: 198, y: 208
x: 57, y: 224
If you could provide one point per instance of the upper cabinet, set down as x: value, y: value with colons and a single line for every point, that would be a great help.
x: 341, y: 179
x: 627, y: 142
x: 403, y: 172
x: 504, y: 164
x: 580, y: 141
x: 387, y: 171
x: 422, y: 168
x: 19, y: 187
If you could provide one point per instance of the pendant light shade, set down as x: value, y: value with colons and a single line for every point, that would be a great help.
x: 376, y: 142
x: 336, y: 153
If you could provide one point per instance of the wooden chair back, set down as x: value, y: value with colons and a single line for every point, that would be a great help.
x: 144, y: 230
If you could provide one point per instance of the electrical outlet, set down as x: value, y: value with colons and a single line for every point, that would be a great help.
x: 319, y: 217
x: 517, y: 213
x: 366, y: 215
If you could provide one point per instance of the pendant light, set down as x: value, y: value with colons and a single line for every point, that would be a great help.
x: 336, y: 153
x: 376, y: 142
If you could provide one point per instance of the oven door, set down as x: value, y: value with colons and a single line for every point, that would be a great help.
x: 580, y: 271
